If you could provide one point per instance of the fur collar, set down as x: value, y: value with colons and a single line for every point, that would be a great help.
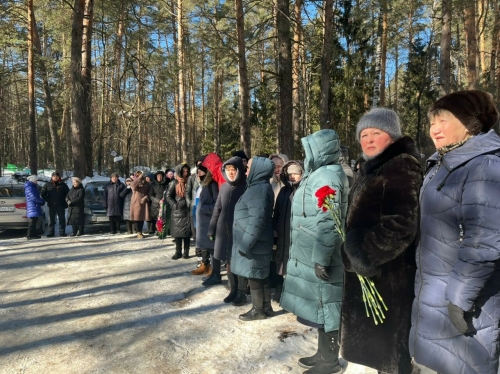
x: 400, y: 146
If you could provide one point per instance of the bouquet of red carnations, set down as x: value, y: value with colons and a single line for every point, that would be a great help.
x: 371, y: 297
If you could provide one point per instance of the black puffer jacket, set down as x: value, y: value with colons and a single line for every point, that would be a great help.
x: 180, y: 224
x: 76, y: 204
x: 221, y: 224
x: 157, y: 190
x: 112, y: 200
x: 55, y: 193
x: 282, y: 216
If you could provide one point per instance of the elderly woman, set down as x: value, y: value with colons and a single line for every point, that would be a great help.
x: 381, y: 228
x: 139, y: 206
x: 76, y: 205
x: 456, y: 314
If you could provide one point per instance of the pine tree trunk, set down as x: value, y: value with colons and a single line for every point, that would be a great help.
x: 296, y: 74
x: 31, y: 91
x: 244, y: 89
x: 182, y: 83
x: 495, y: 45
x: 444, y: 69
x: 383, y: 56
x: 470, y: 30
x: 326, y: 57
x: 285, y: 75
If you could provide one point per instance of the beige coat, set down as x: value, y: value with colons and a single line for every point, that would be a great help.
x: 141, y: 191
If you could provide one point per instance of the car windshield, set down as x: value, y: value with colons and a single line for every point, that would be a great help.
x: 94, y: 192
x: 11, y: 191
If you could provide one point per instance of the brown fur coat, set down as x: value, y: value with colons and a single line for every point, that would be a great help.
x: 382, y: 224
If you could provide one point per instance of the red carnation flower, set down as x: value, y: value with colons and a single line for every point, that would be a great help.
x: 324, y: 193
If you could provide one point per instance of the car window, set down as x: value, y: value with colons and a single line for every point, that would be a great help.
x: 11, y: 191
x: 94, y: 192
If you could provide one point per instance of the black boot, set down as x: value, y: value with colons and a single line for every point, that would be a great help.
x: 151, y: 227
x: 212, y: 280
x: 268, y: 309
x: 241, y: 297
x: 178, y: 249
x: 75, y: 230
x: 277, y: 294
x: 233, y: 286
x: 80, y: 231
x: 186, y: 250
x: 257, y: 311
x: 309, y: 362
x: 129, y: 227
x: 329, y: 349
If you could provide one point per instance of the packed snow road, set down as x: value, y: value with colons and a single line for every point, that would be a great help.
x: 116, y: 304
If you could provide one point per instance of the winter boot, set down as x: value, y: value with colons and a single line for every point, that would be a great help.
x: 257, y: 311
x: 329, y: 347
x: 151, y: 227
x: 129, y: 227
x: 241, y: 297
x: 80, y: 231
x: 209, y: 274
x: 309, y: 362
x: 186, y: 253
x: 75, y: 230
x: 176, y: 256
x: 233, y: 286
x: 268, y: 309
x: 202, y: 269
x: 277, y: 294
x: 212, y: 280
x: 140, y: 236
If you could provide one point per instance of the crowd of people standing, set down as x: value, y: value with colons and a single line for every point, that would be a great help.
x: 426, y: 238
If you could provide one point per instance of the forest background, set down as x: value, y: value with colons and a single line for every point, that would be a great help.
x: 160, y: 82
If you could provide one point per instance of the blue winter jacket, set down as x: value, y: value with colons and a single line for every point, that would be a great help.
x: 458, y: 260
x: 34, y: 202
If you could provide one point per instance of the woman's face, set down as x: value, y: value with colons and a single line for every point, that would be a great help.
x: 75, y: 184
x: 185, y: 172
x: 231, y: 172
x: 446, y: 129
x: 278, y: 165
x: 374, y: 141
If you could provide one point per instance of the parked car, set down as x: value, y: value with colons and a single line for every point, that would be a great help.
x: 13, y: 209
x: 94, y: 209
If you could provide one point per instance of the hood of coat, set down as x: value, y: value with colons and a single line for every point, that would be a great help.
x: 29, y: 184
x: 321, y: 148
x: 163, y: 177
x: 400, y: 146
x: 262, y: 169
x: 213, y: 162
x: 241, y: 177
x: 478, y: 145
x: 284, y: 172
x: 179, y: 167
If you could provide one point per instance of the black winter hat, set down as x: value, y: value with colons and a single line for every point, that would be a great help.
x: 475, y: 109
x: 200, y: 159
x: 241, y: 154
x: 56, y: 173
x: 202, y: 168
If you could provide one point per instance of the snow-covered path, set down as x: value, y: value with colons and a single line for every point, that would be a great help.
x: 116, y: 304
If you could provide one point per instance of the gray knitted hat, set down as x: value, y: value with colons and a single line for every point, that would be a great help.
x: 380, y: 118
x: 33, y: 178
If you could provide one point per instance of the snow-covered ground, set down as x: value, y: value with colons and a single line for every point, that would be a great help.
x: 117, y: 304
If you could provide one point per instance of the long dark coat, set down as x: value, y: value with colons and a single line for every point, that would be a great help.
x: 253, y: 223
x: 382, y: 224
x: 112, y: 200
x: 204, y: 210
x: 76, y: 206
x: 138, y: 211
x: 157, y: 190
x: 458, y: 260
x: 180, y: 224
x: 221, y: 224
x: 282, y: 217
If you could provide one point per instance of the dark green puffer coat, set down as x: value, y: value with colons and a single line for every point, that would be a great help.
x: 253, y: 223
x: 314, y: 237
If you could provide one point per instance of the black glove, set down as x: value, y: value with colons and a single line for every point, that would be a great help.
x: 243, y: 254
x: 321, y: 272
x: 456, y: 315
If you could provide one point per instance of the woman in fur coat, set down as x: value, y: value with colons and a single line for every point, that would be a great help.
x: 139, y: 203
x: 381, y: 227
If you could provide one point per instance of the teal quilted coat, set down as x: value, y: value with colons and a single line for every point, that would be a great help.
x: 314, y: 237
x: 253, y: 223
